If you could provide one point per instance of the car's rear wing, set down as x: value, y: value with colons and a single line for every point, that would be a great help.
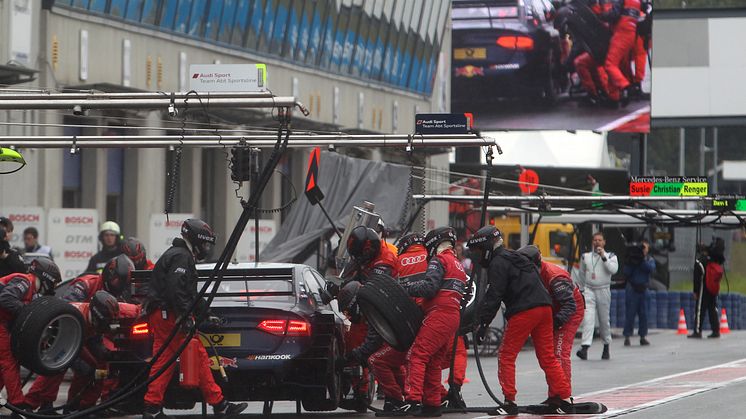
x: 238, y: 284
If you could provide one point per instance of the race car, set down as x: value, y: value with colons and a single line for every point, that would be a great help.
x: 505, y: 49
x: 277, y: 339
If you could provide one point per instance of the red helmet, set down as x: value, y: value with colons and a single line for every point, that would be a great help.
x: 135, y: 250
x: 117, y: 275
x: 363, y: 245
x: 104, y: 309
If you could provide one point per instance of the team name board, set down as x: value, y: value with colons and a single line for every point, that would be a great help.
x: 441, y: 123
x: 668, y: 186
x: 729, y: 202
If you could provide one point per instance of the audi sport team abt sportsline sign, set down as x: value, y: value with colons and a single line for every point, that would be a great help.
x: 228, y: 77
x: 668, y: 186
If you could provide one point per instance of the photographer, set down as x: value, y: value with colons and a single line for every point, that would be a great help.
x: 637, y: 269
x: 708, y: 271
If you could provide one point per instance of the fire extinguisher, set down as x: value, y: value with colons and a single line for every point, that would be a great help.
x: 189, y: 365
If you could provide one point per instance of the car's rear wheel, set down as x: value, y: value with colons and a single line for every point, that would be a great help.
x: 389, y: 309
x: 47, y: 335
x: 333, y: 380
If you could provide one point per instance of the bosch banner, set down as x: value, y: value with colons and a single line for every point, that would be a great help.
x: 22, y: 218
x: 73, y: 236
x: 163, y: 232
x: 247, y: 244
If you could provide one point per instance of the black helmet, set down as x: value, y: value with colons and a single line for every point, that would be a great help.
x: 200, y: 235
x: 135, y: 250
x: 347, y: 300
x: 363, y: 245
x: 47, y: 272
x: 104, y: 309
x: 117, y: 274
x: 532, y: 253
x: 483, y: 242
x: 438, y: 236
x: 410, y: 240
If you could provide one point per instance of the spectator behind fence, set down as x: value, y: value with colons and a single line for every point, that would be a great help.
x: 31, y: 242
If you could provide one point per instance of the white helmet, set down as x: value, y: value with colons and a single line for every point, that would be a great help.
x: 110, y: 226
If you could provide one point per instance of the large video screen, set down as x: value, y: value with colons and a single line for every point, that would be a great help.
x: 552, y: 65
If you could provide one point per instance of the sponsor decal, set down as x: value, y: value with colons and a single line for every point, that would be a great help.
x: 413, y: 260
x: 224, y: 362
x: 78, y: 220
x: 24, y: 218
x: 77, y: 254
x: 277, y: 357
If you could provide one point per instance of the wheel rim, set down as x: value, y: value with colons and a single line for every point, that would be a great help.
x: 379, y: 323
x: 60, y: 341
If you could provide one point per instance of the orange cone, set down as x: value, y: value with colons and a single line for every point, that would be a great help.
x: 682, y: 323
x: 724, y: 323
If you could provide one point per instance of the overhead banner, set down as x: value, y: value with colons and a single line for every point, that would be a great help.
x: 228, y: 77
x: 442, y: 123
x: 163, y: 232
x: 73, y: 236
x: 22, y: 218
x: 668, y: 186
x: 246, y: 250
x: 730, y: 202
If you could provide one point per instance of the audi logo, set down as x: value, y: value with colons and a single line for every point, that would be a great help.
x: 412, y: 260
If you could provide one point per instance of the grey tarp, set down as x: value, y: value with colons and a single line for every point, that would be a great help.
x: 345, y: 182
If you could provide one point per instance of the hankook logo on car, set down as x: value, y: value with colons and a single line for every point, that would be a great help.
x: 268, y: 357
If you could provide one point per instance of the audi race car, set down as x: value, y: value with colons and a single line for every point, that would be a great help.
x: 276, y: 339
x: 505, y: 49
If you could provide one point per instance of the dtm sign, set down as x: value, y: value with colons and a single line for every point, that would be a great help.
x: 73, y: 236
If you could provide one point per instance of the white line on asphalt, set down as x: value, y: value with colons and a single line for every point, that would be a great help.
x: 623, y: 120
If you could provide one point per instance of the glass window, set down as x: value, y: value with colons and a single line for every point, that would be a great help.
x: 392, y: 72
x: 227, y: 22
x: 83, y: 4
x: 316, y: 35
x: 340, y: 34
x: 268, y: 26
x: 134, y: 10
x: 239, y: 25
x: 168, y: 14
x: 97, y: 6
x: 213, y: 20
x: 117, y: 8
x: 374, y: 57
x: 312, y: 285
x: 363, y: 38
x: 150, y: 11
x: 392, y: 24
x: 294, y: 23
x: 304, y: 29
x: 71, y: 169
x: 328, y: 41
x: 197, y: 18
x: 182, y: 15
x: 353, y: 33
x: 281, y: 24
x: 257, y: 19
x: 407, y: 50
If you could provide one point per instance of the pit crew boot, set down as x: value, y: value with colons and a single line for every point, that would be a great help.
x: 410, y: 407
x: 582, y: 353
x: 560, y: 406
x: 154, y: 412
x: 605, y: 354
x: 226, y: 410
x: 390, y: 404
x: 429, y: 412
x: 509, y: 407
x: 455, y: 400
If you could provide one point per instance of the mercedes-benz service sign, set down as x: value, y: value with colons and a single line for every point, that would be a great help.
x: 228, y: 77
x: 163, y: 232
x: 246, y: 245
x: 22, y: 218
x: 73, y: 236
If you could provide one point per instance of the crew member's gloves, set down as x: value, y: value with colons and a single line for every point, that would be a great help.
x: 187, y: 325
x: 481, y: 332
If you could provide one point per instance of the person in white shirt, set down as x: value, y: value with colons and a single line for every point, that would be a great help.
x: 596, y: 269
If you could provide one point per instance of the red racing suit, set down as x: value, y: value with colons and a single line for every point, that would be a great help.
x: 172, y: 290
x: 361, y: 340
x: 515, y: 280
x: 568, y: 309
x: 459, y: 365
x: 387, y: 363
x: 84, y: 388
x: 592, y: 74
x: 17, y: 291
x: 441, y: 288
x: 83, y: 288
x: 623, y: 15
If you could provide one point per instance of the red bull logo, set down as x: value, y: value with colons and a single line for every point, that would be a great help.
x: 468, y: 71
x: 224, y: 362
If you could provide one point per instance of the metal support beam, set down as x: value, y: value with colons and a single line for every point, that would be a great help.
x: 217, y: 141
x: 566, y: 199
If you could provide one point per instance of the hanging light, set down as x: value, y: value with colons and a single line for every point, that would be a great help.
x: 11, y: 161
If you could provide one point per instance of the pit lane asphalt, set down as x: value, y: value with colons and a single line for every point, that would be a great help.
x: 566, y: 114
x: 668, y: 354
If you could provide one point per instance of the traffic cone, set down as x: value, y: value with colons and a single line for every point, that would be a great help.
x: 724, y: 323
x: 682, y: 323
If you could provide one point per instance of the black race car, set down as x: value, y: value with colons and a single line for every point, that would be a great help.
x: 276, y: 340
x: 505, y: 49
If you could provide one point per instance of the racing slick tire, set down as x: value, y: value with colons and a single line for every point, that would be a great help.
x: 47, y: 335
x: 389, y: 309
x: 333, y: 379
